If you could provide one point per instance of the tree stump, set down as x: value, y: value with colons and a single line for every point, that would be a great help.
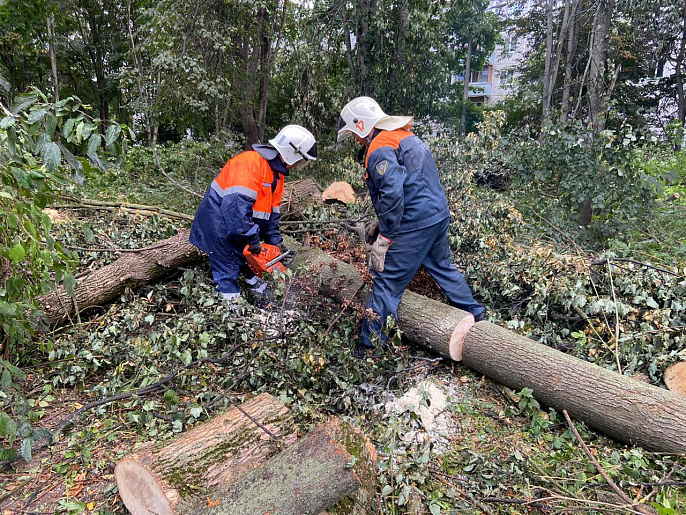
x: 339, y: 191
x: 157, y: 478
x: 297, y: 195
x: 329, y: 464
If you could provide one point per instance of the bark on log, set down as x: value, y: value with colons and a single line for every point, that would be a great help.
x: 305, y: 479
x: 623, y: 408
x: 157, y: 478
x: 616, y: 405
x: 129, y: 271
x: 424, y: 321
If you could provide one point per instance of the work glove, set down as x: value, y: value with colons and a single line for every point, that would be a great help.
x: 378, y: 253
x: 371, y: 231
x: 287, y: 260
x: 255, y: 248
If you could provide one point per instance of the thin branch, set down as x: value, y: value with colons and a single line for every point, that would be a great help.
x: 602, y: 472
x: 159, y: 166
x: 124, y: 206
x: 614, y: 300
x: 640, y: 263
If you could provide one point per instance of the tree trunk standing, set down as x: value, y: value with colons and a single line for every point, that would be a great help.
x: 158, y: 478
x: 679, y: 74
x: 622, y: 408
x: 572, y: 43
x: 132, y: 269
x: 53, y: 60
x: 465, y: 85
x: 548, y: 81
x: 145, y: 98
x: 398, y: 57
x: 317, y: 472
x: 597, y: 84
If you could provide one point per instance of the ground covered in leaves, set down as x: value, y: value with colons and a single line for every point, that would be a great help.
x: 449, y: 441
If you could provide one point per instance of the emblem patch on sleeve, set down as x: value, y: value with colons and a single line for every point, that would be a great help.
x: 382, y: 167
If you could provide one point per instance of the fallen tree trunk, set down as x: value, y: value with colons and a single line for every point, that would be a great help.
x: 328, y: 465
x: 129, y: 271
x: 157, y: 479
x: 623, y: 408
x: 425, y: 321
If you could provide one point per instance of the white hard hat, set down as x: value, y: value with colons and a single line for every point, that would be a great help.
x: 359, y: 117
x: 295, y: 143
x: 362, y: 114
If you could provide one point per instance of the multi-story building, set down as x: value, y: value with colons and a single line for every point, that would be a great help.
x: 497, y: 79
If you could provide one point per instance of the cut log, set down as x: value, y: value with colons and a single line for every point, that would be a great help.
x: 623, y: 408
x: 424, y: 321
x: 339, y: 191
x: 314, y: 474
x: 129, y: 271
x: 157, y: 478
x: 616, y: 405
x: 675, y: 378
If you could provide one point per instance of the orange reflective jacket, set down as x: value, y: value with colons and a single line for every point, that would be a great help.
x: 243, y: 202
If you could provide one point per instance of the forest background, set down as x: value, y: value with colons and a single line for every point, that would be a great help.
x: 568, y: 222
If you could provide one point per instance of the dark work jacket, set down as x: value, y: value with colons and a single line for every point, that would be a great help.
x: 403, y: 183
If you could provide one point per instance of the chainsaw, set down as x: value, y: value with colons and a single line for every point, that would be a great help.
x: 269, y: 259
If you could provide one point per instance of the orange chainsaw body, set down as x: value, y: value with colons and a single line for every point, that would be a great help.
x: 258, y: 262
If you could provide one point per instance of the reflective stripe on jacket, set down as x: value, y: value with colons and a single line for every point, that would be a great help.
x: 403, y: 183
x: 243, y: 203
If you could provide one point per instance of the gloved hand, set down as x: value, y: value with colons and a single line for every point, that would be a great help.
x: 378, y: 252
x: 255, y: 248
x: 288, y: 260
x: 371, y: 231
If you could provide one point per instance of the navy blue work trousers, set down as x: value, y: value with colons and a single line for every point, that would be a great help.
x: 410, y: 250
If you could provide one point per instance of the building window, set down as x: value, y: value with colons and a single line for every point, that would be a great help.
x: 510, y: 44
x: 506, y: 77
x: 479, y: 76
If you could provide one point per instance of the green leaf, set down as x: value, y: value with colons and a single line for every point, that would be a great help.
x: 37, y: 115
x: 67, y: 129
x: 23, y: 102
x: 25, y: 448
x: 52, y: 155
x: 17, y: 253
x: 7, y: 121
x: 112, y: 134
x: 8, y: 427
x: 93, y: 143
x: 387, y: 490
x: 69, y: 283
x: 50, y: 124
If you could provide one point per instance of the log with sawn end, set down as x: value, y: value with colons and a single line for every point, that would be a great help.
x: 156, y: 478
x: 621, y: 407
x: 333, y: 466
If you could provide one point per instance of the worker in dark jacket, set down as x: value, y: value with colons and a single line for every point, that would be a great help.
x: 413, y: 215
x: 242, y: 207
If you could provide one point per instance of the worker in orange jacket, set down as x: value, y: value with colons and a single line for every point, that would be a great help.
x: 243, y: 207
